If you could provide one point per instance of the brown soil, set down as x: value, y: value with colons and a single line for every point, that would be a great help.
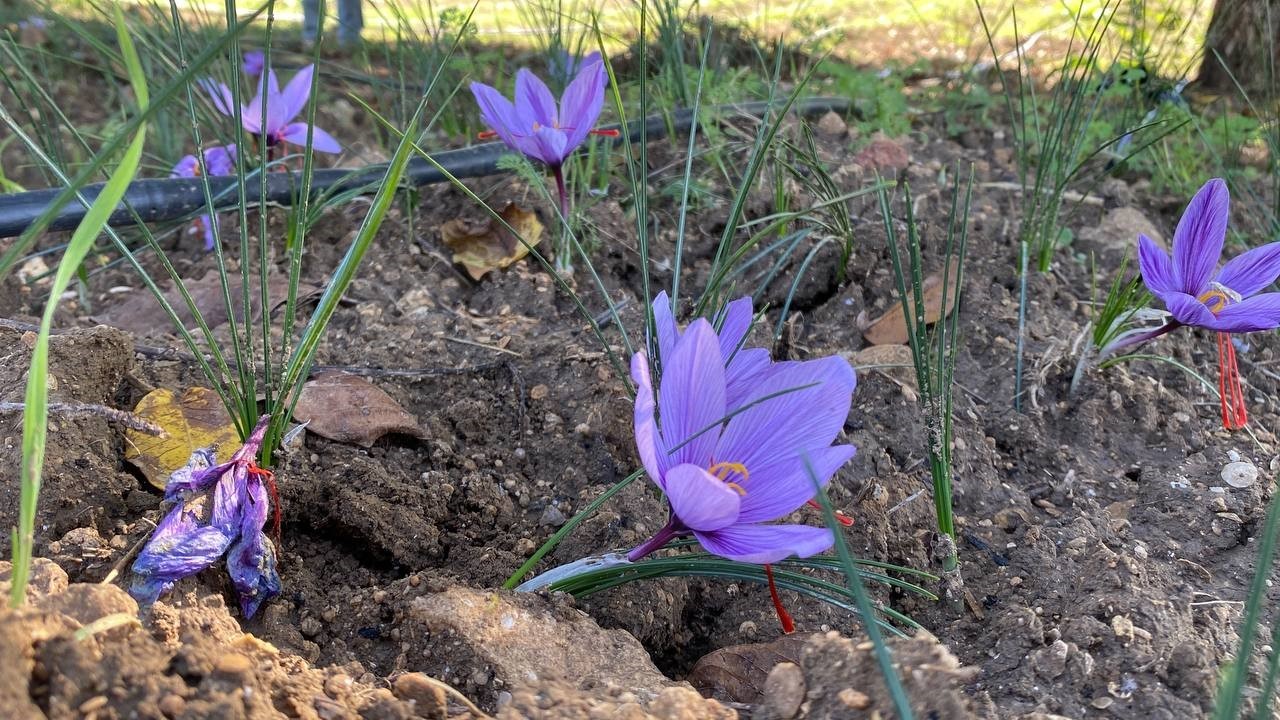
x: 1114, y: 562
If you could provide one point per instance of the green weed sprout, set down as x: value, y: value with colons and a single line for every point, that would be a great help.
x: 934, y: 354
x: 1119, y: 313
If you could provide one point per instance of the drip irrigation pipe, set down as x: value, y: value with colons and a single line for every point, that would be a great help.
x: 161, y: 199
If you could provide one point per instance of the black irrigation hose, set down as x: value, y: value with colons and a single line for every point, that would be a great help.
x: 160, y: 199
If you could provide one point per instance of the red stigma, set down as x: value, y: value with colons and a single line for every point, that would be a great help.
x: 606, y: 133
x: 841, y: 518
x: 788, y: 625
x: 269, y: 479
x: 1234, y: 414
x: 486, y: 135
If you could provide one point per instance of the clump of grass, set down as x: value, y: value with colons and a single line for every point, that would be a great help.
x: 934, y: 354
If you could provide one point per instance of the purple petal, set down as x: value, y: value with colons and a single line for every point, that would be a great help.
x: 548, y: 145
x: 206, y: 224
x: 186, y: 167
x: 691, y: 398
x: 582, y: 101
x: 534, y: 99
x: 296, y: 93
x: 181, y: 546
x: 793, y: 420
x: 664, y: 323
x: 320, y: 140
x: 223, y: 101
x: 1187, y: 309
x: 253, y: 62
x: 735, y: 321
x: 251, y: 562
x: 1197, y: 243
x: 765, y: 543
x: 1260, y: 312
x: 779, y: 489
x: 200, y: 473
x: 648, y: 442
x: 1157, y: 268
x: 220, y: 160
x: 700, y: 500
x: 498, y: 113
x: 229, y: 497
x: 742, y: 375
x: 1251, y: 271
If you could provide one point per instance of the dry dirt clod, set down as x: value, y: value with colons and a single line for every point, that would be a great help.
x: 784, y: 690
x: 428, y: 698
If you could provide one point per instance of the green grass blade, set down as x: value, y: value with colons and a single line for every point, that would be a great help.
x: 35, y: 420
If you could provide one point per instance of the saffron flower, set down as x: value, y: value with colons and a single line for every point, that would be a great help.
x: 282, y: 108
x: 563, y: 66
x: 741, y: 364
x: 728, y: 471
x: 534, y: 124
x: 218, y: 160
x: 1199, y: 294
x: 253, y: 62
x: 219, y: 510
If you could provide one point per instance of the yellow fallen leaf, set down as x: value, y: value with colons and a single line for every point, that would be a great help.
x: 891, y: 328
x: 484, y: 246
x: 193, y: 421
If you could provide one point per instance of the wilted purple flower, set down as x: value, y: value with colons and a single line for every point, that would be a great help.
x: 533, y: 124
x: 727, y: 468
x: 219, y: 510
x: 282, y: 107
x: 218, y: 160
x: 253, y: 62
x: 1227, y: 301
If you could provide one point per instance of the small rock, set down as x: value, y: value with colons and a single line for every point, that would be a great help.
x: 233, y: 665
x: 552, y: 516
x: 832, y: 126
x: 1240, y: 474
x: 1102, y: 702
x: 538, y: 392
x: 310, y: 627
x: 883, y: 154
x: 1050, y: 662
x: 428, y: 698
x: 854, y: 699
x: 93, y: 704
x: 172, y: 705
x: 337, y: 685
x: 784, y: 690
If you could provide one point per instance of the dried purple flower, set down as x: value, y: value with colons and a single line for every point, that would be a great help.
x: 218, y: 510
x: 727, y: 466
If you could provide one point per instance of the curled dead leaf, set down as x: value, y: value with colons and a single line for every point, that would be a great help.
x: 737, y: 673
x: 197, y: 419
x: 892, y: 327
x: 482, y: 246
x: 346, y: 408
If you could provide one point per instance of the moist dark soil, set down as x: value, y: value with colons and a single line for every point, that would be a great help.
x: 1104, y: 558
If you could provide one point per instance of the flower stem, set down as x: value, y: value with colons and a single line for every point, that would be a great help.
x: 1132, y: 338
x: 564, y: 262
x: 655, y: 543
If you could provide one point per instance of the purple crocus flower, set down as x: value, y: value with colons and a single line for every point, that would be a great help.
x: 218, y: 160
x: 533, y: 124
x: 253, y: 63
x: 563, y: 66
x: 742, y: 364
x: 282, y: 107
x: 726, y: 478
x: 1226, y: 301
x: 219, y: 510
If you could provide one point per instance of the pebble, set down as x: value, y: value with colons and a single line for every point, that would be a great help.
x: 552, y: 516
x: 854, y: 699
x: 310, y: 627
x: 337, y: 685
x: 93, y: 704
x: 172, y: 705
x: 233, y: 665
x: 784, y: 690
x: 1240, y: 474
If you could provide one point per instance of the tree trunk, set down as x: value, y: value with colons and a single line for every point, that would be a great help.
x: 1243, y: 33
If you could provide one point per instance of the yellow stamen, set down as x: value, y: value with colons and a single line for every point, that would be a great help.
x: 723, y: 470
x: 1218, y: 299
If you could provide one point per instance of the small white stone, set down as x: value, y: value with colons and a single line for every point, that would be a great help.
x: 1240, y: 474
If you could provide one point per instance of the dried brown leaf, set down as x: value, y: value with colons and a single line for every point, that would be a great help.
x: 346, y: 408
x: 737, y: 673
x: 486, y: 245
x: 891, y: 328
x: 140, y: 313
